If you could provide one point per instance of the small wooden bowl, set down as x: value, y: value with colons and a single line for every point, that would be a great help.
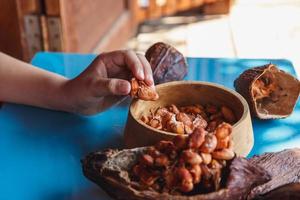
x: 183, y: 93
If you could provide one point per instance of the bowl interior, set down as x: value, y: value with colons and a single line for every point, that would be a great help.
x: 183, y: 93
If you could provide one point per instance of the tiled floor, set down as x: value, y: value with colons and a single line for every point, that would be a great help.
x: 253, y: 29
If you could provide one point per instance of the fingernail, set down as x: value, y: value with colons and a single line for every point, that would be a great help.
x: 123, y: 87
x: 141, y: 74
x: 150, y: 80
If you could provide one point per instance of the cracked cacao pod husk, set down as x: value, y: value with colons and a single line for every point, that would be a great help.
x: 270, y: 92
x: 284, y: 169
x: 167, y: 63
x: 110, y: 170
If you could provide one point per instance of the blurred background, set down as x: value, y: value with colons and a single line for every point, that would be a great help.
x: 198, y: 28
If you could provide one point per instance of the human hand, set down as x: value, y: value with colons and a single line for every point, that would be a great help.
x: 105, y: 81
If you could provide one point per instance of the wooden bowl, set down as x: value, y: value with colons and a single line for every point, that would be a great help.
x: 184, y: 93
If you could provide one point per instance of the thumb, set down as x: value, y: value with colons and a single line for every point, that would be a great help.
x: 113, y: 87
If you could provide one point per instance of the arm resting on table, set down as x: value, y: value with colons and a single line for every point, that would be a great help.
x: 23, y: 83
x: 103, y: 83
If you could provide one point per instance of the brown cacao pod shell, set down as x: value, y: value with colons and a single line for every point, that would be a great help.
x: 286, y: 192
x: 287, y: 94
x: 109, y: 169
x: 284, y: 168
x: 167, y: 63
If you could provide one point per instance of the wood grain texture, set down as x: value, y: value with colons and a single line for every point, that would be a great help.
x: 85, y: 22
x: 118, y: 34
x: 284, y: 168
x: 183, y: 93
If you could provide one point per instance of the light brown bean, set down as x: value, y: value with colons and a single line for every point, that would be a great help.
x: 223, y: 143
x: 173, y: 108
x: 161, y: 161
x: 197, y: 138
x: 190, y: 157
x: 224, y: 154
x: 176, y: 127
x: 145, y: 119
x: 188, y: 129
x: 155, y: 123
x: 195, y: 171
x: 228, y: 114
x: 206, y: 157
x: 199, y: 122
x: 209, y: 144
x: 184, y: 118
x: 185, y: 180
x: 223, y: 130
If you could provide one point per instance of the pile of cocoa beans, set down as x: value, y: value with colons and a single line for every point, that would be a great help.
x: 185, y: 119
x: 187, y: 163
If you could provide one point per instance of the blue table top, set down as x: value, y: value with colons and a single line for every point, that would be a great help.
x: 40, y: 150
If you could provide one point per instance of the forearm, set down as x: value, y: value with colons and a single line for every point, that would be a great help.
x: 25, y: 84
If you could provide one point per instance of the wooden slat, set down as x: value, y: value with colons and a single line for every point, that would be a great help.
x: 45, y: 35
x: 213, y: 7
x: 30, y: 27
x: 170, y: 8
x: 154, y: 10
x: 10, y: 37
x: 142, y: 15
x: 195, y: 3
x: 118, y: 35
x: 183, y: 5
x: 52, y: 7
x: 30, y: 6
x: 86, y: 22
x: 54, y: 33
x: 139, y: 14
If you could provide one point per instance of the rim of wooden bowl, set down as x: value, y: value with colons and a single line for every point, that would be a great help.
x: 216, y: 85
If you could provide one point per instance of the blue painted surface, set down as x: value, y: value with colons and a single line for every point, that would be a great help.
x: 40, y: 150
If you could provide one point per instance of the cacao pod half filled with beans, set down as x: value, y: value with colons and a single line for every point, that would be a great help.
x: 270, y: 92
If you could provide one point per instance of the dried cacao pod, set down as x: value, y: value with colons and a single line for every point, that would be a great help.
x: 286, y: 192
x: 270, y: 92
x: 284, y: 168
x: 110, y: 170
x: 167, y: 63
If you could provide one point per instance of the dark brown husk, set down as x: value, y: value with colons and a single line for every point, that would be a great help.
x: 284, y: 167
x: 243, y: 85
x: 286, y: 192
x: 109, y: 169
x: 167, y: 63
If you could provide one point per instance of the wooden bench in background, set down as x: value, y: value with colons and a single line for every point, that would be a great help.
x: 83, y: 25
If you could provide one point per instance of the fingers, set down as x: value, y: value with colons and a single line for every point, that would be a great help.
x: 147, y: 69
x: 106, y: 87
x: 136, y: 63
